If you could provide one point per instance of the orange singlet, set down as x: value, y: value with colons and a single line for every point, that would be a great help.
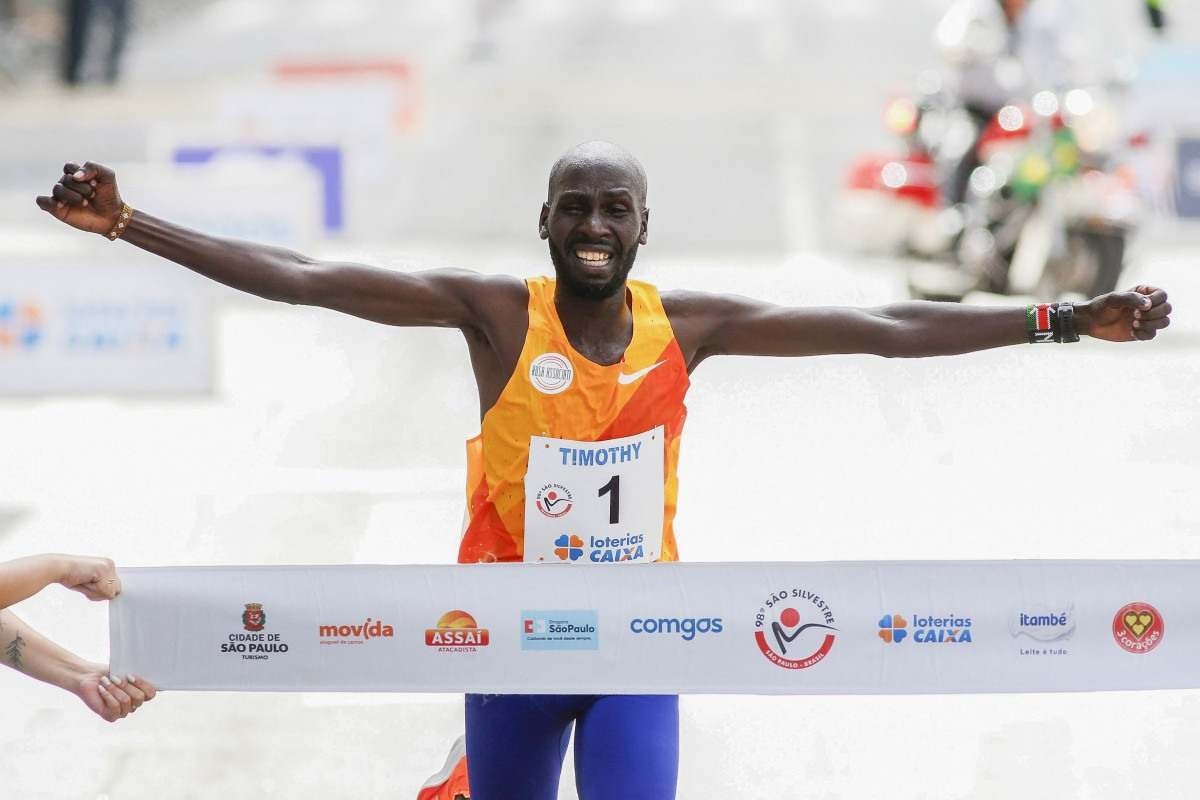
x: 557, y: 393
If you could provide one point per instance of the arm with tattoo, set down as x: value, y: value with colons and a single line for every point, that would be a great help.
x: 25, y: 650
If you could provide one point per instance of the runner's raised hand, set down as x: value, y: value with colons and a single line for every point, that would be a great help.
x: 85, y: 197
x: 1137, y: 314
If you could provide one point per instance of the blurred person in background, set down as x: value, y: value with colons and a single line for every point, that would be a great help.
x: 998, y: 51
x: 78, y: 33
x: 25, y: 650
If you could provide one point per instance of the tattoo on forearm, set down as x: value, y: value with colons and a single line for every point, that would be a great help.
x: 13, y: 653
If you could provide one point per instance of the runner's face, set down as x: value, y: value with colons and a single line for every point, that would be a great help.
x: 594, y: 223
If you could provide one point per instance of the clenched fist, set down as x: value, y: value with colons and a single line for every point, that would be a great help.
x: 85, y: 198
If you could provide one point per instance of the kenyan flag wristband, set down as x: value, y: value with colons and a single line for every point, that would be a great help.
x: 1041, y: 323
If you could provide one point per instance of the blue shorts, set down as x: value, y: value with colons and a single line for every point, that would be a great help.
x: 626, y: 746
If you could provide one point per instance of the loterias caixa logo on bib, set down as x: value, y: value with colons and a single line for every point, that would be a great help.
x: 456, y: 632
x: 253, y: 643
x: 794, y: 628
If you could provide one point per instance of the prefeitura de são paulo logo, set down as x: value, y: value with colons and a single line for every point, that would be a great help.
x: 794, y: 628
x: 554, y: 500
x: 1138, y: 628
x: 254, y: 618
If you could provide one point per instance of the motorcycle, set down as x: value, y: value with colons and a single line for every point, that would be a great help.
x: 1045, y: 213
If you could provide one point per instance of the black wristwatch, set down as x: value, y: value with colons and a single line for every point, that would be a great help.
x: 1066, y: 324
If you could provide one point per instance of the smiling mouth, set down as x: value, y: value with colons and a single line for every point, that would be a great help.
x: 593, y: 258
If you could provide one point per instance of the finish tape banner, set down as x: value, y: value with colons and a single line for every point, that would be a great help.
x: 775, y: 628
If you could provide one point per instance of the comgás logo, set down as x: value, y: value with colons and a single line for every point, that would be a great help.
x: 456, y: 632
x: 950, y: 629
x: 794, y: 628
x: 551, y: 373
x: 686, y: 628
x: 253, y: 643
x: 554, y: 500
x: 355, y: 634
x: 1138, y: 628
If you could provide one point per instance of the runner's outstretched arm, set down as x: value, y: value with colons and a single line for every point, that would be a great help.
x: 86, y: 197
x: 707, y: 325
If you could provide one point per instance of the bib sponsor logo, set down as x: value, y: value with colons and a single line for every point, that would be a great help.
x: 789, y: 638
x: 1138, y: 628
x: 551, y: 373
x: 253, y: 644
x: 687, y: 628
x: 613, y: 549
x: 355, y: 634
x: 560, y: 630
x: 554, y: 500
x: 600, y: 549
x: 568, y: 547
x: 456, y: 632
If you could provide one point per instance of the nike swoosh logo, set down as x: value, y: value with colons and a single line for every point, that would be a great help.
x: 633, y: 376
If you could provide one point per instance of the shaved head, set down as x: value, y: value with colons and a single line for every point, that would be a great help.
x: 600, y: 154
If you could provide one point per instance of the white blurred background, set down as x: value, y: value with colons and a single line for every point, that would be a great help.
x: 151, y: 417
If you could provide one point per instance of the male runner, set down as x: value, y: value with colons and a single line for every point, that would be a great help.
x: 570, y: 368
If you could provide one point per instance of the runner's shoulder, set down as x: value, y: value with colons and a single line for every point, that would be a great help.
x: 493, y: 301
x: 692, y: 307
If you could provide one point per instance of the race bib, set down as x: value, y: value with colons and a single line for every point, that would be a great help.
x: 595, y: 502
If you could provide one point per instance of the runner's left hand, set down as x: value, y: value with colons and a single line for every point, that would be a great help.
x: 1136, y: 315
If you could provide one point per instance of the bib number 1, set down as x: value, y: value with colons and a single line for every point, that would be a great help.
x: 595, y: 502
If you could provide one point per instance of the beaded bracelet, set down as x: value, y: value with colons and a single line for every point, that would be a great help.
x: 122, y: 220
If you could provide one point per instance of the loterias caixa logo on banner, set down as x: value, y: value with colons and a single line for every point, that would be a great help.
x: 948, y: 629
x: 355, y: 634
x: 1138, y: 628
x: 253, y: 642
x: 794, y: 628
x: 456, y: 632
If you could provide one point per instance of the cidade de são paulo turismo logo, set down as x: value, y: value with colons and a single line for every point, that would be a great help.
x: 253, y: 642
x: 794, y: 628
x: 1138, y: 628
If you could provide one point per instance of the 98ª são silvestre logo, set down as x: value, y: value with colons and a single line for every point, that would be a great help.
x: 794, y: 628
